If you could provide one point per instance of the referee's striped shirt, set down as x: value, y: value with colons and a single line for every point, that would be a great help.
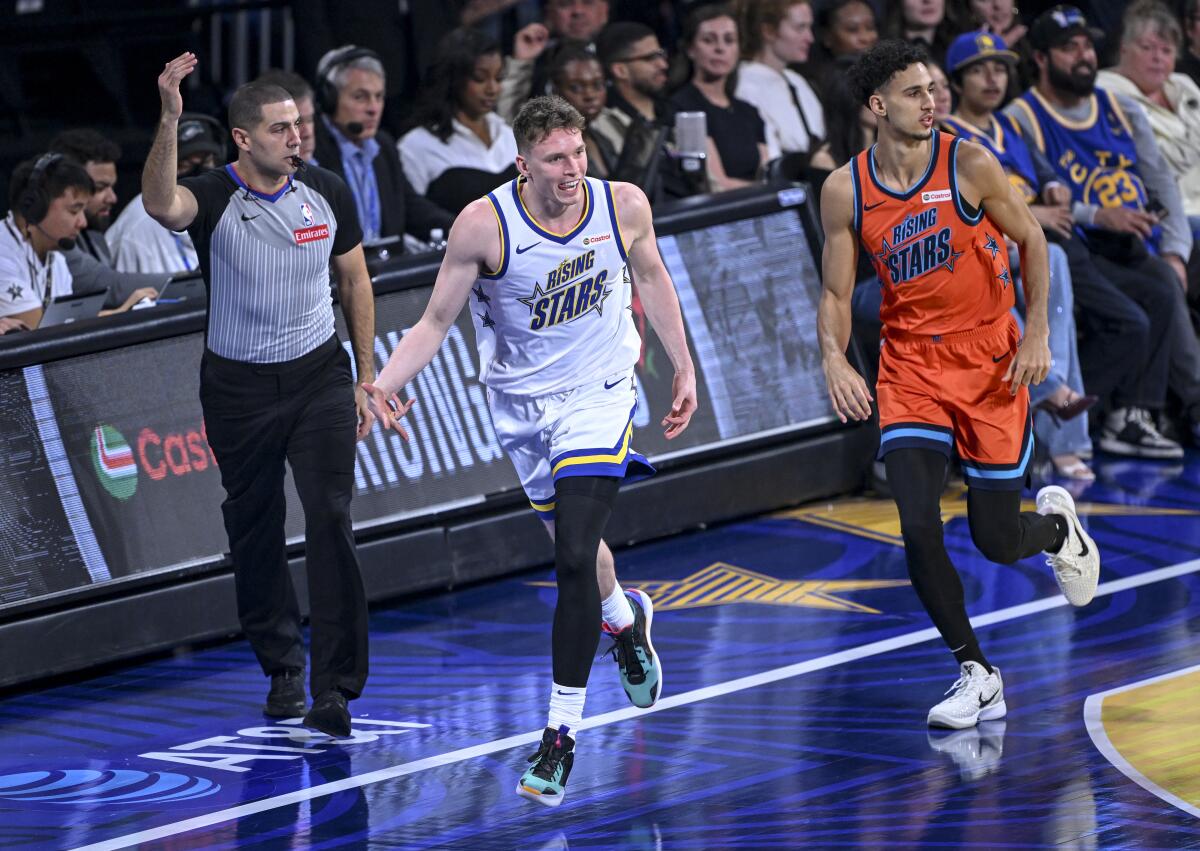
x: 265, y: 260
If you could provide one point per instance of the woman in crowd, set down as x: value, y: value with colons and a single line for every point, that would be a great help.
x: 737, y: 146
x: 1151, y: 40
x: 943, y: 97
x: 776, y: 34
x: 458, y: 148
x: 999, y: 17
x: 925, y: 23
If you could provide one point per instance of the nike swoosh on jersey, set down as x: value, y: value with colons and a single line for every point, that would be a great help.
x: 998, y: 358
x: 608, y: 386
x: 521, y: 249
x: 872, y: 206
x: 246, y: 218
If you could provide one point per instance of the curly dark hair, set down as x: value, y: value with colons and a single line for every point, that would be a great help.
x: 441, y: 92
x: 879, y: 64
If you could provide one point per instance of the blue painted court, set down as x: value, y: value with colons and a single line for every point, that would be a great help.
x: 798, y: 670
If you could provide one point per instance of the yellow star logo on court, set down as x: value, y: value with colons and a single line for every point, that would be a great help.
x: 879, y: 520
x: 722, y: 584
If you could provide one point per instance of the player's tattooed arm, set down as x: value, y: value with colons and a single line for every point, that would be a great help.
x: 848, y: 391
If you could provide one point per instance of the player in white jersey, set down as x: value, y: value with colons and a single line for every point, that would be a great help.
x: 545, y: 262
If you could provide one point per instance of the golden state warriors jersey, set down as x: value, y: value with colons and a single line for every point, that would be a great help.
x: 556, y: 313
x: 943, y: 266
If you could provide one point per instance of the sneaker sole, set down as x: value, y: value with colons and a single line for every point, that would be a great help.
x: 648, y: 610
x: 988, y: 713
x: 1129, y: 450
x: 297, y: 711
x: 545, y: 800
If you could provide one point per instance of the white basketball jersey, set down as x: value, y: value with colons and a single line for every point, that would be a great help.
x: 556, y: 313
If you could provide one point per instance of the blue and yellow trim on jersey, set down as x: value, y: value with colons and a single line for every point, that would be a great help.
x: 545, y: 510
x: 504, y: 241
x: 614, y: 461
x: 616, y: 223
x: 561, y: 238
x: 1002, y: 477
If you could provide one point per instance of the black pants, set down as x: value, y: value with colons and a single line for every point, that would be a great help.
x: 1125, y: 325
x: 258, y: 415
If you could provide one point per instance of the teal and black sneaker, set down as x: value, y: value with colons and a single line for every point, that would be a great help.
x: 640, y: 668
x: 545, y: 780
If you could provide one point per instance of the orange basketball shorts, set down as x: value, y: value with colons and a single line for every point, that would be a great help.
x: 946, y: 392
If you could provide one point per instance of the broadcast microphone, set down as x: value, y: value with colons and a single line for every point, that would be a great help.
x: 64, y: 244
x: 691, y: 139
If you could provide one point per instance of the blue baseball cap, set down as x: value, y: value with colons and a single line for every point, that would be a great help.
x: 975, y: 47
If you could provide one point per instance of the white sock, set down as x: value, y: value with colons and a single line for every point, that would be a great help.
x: 566, y: 708
x: 616, y: 611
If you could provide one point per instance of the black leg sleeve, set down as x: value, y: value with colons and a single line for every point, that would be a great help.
x: 1004, y: 533
x: 917, y: 477
x: 582, y: 507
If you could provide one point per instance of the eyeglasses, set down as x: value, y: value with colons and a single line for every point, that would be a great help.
x: 652, y: 56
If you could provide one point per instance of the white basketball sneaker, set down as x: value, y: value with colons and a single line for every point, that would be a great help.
x: 1077, y: 563
x: 975, y: 696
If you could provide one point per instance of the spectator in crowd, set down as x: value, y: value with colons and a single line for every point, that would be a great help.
x: 1102, y: 149
x: 527, y: 70
x: 637, y: 108
x: 776, y: 34
x: 924, y: 23
x: 1151, y: 38
x: 980, y: 64
x: 90, y: 261
x: 737, y: 146
x: 848, y: 130
x: 844, y: 28
x: 1189, y: 60
x: 1000, y: 18
x: 302, y: 94
x: 578, y: 78
x: 138, y: 242
x: 351, y: 86
x: 943, y: 97
x: 459, y: 149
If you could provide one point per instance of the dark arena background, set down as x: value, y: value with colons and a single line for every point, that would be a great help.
x: 799, y: 662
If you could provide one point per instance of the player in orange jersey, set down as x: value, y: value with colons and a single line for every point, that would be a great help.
x: 933, y: 211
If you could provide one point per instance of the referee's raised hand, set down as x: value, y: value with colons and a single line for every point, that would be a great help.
x: 168, y: 83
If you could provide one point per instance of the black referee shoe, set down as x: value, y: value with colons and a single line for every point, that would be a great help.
x: 329, y: 714
x: 286, y: 697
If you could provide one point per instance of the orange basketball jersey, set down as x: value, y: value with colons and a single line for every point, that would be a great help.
x: 943, y: 265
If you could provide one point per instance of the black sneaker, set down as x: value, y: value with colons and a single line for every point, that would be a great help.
x: 329, y: 714
x: 286, y: 697
x: 1131, y: 432
x: 637, y: 663
x: 545, y: 780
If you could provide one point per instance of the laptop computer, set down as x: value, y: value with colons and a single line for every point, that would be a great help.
x: 71, y: 308
x: 183, y: 286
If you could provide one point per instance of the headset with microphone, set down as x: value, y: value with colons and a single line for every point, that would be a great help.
x: 34, y: 201
x: 327, y: 68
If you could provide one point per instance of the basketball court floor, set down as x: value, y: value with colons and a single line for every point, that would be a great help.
x: 798, y: 670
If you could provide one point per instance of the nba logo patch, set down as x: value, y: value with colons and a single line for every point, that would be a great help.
x: 306, y: 213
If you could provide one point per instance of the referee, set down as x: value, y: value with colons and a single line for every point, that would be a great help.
x: 275, y: 383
